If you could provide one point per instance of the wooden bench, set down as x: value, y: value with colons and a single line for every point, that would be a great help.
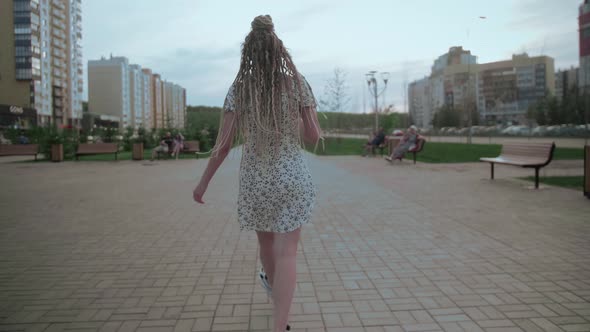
x: 191, y: 147
x: 19, y: 150
x: 188, y: 147
x: 536, y: 155
x: 418, y: 148
x: 97, y: 148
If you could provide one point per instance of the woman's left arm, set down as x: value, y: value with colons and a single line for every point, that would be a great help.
x: 225, y: 139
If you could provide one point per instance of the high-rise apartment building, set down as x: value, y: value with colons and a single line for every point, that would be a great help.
x: 451, y: 82
x: 175, y: 104
x: 506, y: 89
x: 134, y: 94
x: 41, y: 63
x: 565, y: 81
x: 501, y: 92
x: 420, y: 101
x: 109, y: 91
x: 147, y: 98
x: 157, y: 106
x: 584, y: 30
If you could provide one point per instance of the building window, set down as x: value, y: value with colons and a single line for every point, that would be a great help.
x: 586, y: 32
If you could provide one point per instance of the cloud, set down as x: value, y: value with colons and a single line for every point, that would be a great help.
x: 299, y: 18
x: 544, y: 14
x: 558, y: 46
x: 206, y: 73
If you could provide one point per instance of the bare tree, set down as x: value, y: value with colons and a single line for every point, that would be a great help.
x: 335, y: 98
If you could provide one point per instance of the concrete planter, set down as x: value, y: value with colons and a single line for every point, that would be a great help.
x: 57, y: 152
x: 137, y: 151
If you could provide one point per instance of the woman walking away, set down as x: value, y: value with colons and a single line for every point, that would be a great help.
x: 271, y: 106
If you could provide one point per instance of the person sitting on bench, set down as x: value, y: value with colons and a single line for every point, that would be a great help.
x: 377, y: 140
x: 166, y: 145
x: 178, y: 145
x: 407, y: 143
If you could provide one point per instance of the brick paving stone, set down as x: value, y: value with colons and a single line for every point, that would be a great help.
x: 119, y: 246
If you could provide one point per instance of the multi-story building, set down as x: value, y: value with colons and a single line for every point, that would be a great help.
x: 109, y: 91
x: 451, y: 82
x: 565, y: 81
x: 157, y: 106
x: 420, y: 99
x: 500, y: 92
x: 139, y: 97
x: 175, y: 104
x: 147, y: 98
x: 584, y: 30
x: 136, y: 95
x: 77, y: 62
x: 41, y: 63
x: 506, y: 89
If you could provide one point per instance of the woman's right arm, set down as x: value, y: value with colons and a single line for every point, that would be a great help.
x: 310, y: 126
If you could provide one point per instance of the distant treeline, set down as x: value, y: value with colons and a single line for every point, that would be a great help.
x: 361, y: 123
x: 208, y: 117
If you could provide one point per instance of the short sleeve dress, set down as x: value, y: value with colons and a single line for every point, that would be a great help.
x: 276, y: 191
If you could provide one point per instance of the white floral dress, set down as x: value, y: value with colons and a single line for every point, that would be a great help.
x: 276, y: 191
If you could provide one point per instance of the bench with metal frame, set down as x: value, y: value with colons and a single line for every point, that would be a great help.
x: 97, y: 148
x: 19, y: 150
x: 187, y: 147
x: 532, y: 155
x: 420, y: 142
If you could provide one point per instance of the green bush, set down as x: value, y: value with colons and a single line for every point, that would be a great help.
x: 127, y: 137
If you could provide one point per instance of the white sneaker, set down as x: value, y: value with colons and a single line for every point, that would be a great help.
x: 264, y: 282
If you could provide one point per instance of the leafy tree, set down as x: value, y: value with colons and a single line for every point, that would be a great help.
x: 554, y: 111
x: 541, y: 112
x: 447, y: 116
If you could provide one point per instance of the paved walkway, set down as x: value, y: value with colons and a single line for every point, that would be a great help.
x: 119, y: 246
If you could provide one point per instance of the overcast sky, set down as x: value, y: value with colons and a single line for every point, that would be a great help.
x: 196, y: 43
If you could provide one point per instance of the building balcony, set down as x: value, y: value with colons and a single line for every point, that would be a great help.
x: 59, y: 4
x: 58, y: 92
x: 59, y: 14
x: 58, y: 24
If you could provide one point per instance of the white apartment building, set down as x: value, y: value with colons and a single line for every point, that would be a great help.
x: 421, y: 102
x: 134, y: 94
x: 175, y: 101
x: 157, y: 105
x: 77, y: 64
x: 147, y: 98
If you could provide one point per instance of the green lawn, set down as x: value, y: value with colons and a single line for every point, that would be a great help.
x: 435, y: 152
x: 573, y: 182
x: 568, y: 154
x: 124, y: 155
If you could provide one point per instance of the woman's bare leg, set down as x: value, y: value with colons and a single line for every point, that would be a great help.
x: 283, y: 287
x: 265, y: 240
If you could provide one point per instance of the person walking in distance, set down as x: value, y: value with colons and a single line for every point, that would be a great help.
x: 272, y: 108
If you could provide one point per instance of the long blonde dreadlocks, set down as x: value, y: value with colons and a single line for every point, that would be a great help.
x: 266, y: 74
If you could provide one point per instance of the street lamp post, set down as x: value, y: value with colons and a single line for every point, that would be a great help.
x: 468, y: 96
x: 373, y: 89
